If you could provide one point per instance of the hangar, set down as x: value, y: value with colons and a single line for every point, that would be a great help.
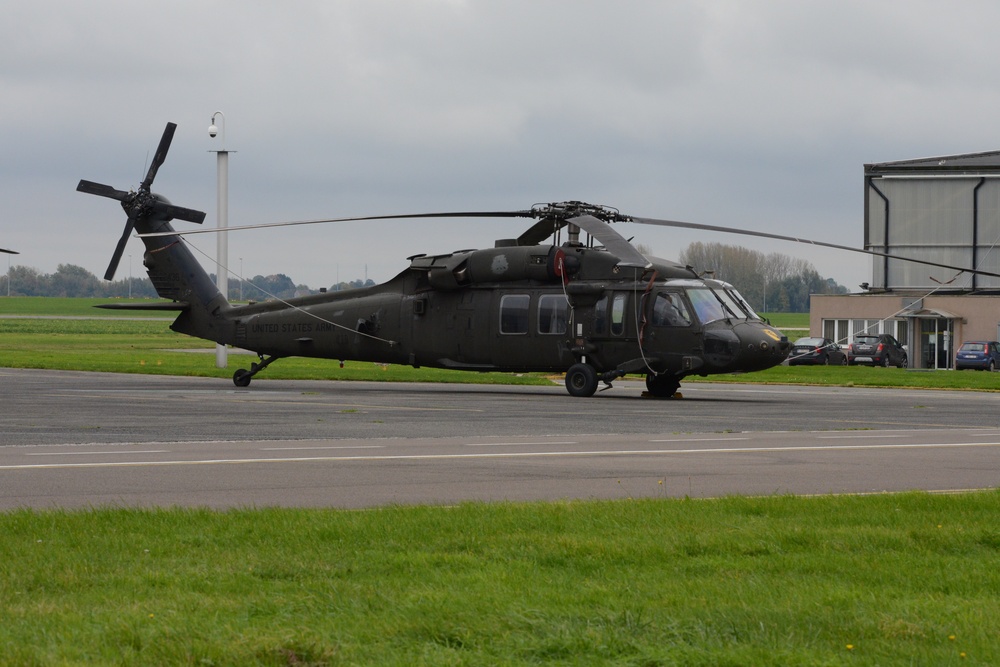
x: 942, y: 209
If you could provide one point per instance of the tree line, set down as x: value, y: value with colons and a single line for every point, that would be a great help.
x: 771, y: 282
x: 70, y: 280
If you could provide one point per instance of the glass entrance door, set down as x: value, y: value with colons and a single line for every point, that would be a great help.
x: 936, y: 343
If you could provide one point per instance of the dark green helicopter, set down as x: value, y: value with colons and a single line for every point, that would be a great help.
x: 597, y: 310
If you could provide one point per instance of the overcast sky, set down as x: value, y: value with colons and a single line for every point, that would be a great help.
x: 749, y: 114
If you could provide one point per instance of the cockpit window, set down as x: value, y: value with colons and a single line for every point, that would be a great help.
x: 669, y: 310
x: 712, y: 304
x: 743, y: 304
x: 706, y: 305
x: 733, y: 307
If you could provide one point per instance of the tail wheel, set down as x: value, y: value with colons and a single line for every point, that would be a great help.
x: 242, y: 377
x: 581, y: 380
x: 662, y: 386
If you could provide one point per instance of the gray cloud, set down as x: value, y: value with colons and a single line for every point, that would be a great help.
x: 752, y: 114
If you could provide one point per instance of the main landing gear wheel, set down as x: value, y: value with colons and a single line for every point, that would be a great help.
x: 662, y: 386
x: 581, y: 380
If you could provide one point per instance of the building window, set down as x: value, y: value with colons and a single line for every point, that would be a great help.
x: 902, y: 331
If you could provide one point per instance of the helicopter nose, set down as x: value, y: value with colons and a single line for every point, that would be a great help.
x: 762, y: 347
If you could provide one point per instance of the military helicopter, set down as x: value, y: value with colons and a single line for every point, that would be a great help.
x: 595, y: 309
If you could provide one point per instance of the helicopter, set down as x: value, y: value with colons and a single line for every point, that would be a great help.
x: 590, y: 306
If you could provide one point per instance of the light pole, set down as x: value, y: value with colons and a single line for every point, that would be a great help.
x: 241, y: 278
x: 130, y: 276
x: 222, y: 251
x: 9, y: 253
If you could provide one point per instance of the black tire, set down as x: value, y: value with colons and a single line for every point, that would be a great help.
x: 662, y: 386
x: 581, y: 380
x: 903, y: 362
x: 885, y: 361
x: 992, y: 367
x: 242, y: 377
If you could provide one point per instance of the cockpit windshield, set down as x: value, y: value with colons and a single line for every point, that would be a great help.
x: 743, y: 304
x: 711, y: 304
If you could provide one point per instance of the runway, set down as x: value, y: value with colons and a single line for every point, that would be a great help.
x: 92, y: 439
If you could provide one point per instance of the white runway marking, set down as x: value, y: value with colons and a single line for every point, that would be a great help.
x: 504, y: 455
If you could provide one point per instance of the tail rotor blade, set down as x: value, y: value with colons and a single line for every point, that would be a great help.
x: 117, y: 257
x: 161, y: 155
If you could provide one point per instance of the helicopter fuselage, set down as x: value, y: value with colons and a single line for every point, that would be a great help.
x: 521, y: 309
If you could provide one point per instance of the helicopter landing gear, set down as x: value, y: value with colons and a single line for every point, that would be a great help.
x: 242, y: 377
x: 581, y: 380
x: 662, y: 386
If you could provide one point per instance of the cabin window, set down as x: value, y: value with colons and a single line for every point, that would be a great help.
x: 514, y: 314
x: 601, y: 316
x: 618, y: 313
x: 669, y: 311
x: 553, y: 314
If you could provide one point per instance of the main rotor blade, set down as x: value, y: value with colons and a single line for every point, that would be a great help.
x: 101, y: 190
x: 404, y: 216
x: 116, y: 258
x: 616, y: 244
x: 160, y: 156
x: 180, y: 213
x: 9, y: 252
x: 795, y: 239
x: 540, y: 231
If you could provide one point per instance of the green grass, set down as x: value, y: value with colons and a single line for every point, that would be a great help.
x: 878, y: 580
x: 788, y: 320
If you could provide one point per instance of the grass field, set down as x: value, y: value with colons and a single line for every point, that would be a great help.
x: 908, y: 579
x: 903, y: 579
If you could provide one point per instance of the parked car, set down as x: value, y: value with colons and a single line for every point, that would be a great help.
x: 979, y: 355
x: 816, y: 351
x: 876, y: 350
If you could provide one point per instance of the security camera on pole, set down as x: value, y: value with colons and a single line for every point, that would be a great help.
x: 222, y: 252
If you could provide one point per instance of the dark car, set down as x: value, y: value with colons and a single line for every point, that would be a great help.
x: 978, y: 354
x: 876, y: 350
x: 816, y: 351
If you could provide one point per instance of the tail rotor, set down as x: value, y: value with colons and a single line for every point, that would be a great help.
x: 142, y: 205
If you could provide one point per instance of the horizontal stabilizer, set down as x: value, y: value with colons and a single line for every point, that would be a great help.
x: 165, y: 306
